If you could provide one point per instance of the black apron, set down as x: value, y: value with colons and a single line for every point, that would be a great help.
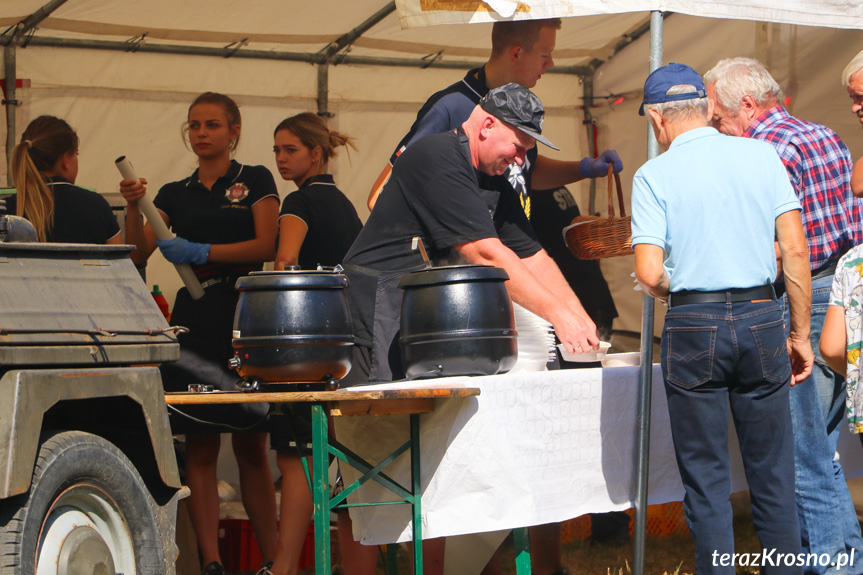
x: 204, y: 355
x: 376, y: 304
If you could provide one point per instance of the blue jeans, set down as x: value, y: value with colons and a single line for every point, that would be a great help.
x: 828, y: 521
x: 716, y: 356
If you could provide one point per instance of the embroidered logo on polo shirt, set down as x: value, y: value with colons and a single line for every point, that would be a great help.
x: 237, y: 192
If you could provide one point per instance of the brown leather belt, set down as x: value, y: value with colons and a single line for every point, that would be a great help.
x: 687, y: 297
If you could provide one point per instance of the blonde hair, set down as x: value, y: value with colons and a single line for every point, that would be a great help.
x: 43, y: 143
x: 232, y: 114
x: 312, y: 131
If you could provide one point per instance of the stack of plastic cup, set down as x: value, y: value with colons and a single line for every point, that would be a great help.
x: 535, y: 340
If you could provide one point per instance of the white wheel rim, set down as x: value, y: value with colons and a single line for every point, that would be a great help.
x: 84, y: 506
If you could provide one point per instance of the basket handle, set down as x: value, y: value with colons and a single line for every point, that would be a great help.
x: 619, y: 194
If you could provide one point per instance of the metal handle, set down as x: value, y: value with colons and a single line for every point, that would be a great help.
x: 417, y: 245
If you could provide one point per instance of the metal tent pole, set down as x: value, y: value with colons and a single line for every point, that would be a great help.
x: 10, y: 66
x: 11, y: 102
x: 348, y: 59
x: 332, y: 50
x: 645, y: 379
x: 589, y: 122
x: 324, y: 90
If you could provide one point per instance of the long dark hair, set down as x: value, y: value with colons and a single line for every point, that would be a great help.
x: 43, y: 143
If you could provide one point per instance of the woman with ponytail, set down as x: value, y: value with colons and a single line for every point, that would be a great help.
x: 44, y: 168
x: 317, y: 225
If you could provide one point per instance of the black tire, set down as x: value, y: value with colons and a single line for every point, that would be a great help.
x: 81, y: 478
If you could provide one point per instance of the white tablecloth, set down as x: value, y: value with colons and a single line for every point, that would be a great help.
x: 533, y: 448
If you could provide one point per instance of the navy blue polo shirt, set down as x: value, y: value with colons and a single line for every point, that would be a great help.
x: 331, y: 219
x: 221, y: 215
x: 447, y: 110
x: 80, y: 216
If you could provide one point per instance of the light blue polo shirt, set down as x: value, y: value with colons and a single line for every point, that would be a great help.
x: 711, y: 202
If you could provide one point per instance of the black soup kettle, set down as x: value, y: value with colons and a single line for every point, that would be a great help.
x: 292, y: 327
x: 457, y: 320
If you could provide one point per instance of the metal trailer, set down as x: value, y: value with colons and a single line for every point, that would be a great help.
x: 88, y: 475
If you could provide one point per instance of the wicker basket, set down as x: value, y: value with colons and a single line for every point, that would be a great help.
x: 592, y: 237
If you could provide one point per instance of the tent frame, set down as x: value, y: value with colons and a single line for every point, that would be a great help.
x: 335, y: 53
x: 12, y: 39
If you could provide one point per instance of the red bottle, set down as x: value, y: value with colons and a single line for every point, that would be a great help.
x: 161, y: 302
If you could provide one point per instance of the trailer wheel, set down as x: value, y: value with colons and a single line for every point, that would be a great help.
x: 87, y: 511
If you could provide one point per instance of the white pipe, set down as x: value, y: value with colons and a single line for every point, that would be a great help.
x: 159, y: 227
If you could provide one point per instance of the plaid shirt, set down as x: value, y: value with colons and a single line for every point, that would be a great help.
x: 819, y: 166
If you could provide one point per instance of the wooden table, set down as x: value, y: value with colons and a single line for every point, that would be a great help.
x: 343, y: 403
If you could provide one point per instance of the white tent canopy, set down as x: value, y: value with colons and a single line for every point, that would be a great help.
x: 123, y: 74
x: 834, y: 14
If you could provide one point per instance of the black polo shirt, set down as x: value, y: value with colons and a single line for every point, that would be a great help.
x: 80, y: 216
x: 331, y: 219
x: 221, y: 215
x: 435, y: 193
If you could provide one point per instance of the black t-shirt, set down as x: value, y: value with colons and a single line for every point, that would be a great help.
x: 435, y: 193
x: 447, y: 110
x: 331, y: 219
x: 551, y: 211
x: 80, y: 216
x: 222, y: 215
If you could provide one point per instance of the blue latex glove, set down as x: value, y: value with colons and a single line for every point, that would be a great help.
x: 598, y: 167
x: 180, y: 251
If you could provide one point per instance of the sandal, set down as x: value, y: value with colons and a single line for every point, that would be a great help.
x: 214, y: 568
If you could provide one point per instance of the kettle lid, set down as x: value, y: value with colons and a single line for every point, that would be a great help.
x: 292, y: 279
x: 452, y: 274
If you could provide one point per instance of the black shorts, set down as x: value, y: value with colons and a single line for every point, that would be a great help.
x: 291, y: 426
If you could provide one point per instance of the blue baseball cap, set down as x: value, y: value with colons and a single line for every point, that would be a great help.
x: 661, y: 79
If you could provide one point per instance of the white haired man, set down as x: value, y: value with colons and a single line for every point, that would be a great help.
x: 852, y: 79
x: 746, y: 102
x: 723, y: 342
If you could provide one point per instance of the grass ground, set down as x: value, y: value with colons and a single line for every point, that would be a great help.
x: 670, y: 555
x: 663, y: 555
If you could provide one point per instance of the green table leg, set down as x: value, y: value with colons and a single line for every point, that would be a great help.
x: 392, y: 559
x: 321, y: 492
x: 416, y: 488
x: 522, y: 551
x: 321, y: 495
